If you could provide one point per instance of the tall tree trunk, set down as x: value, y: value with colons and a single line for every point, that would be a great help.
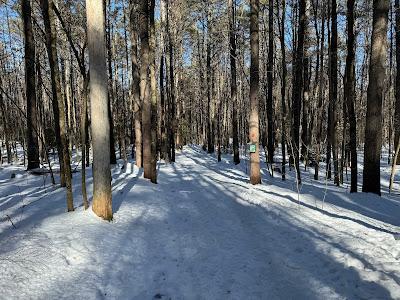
x: 83, y: 140
x: 102, y: 201
x: 30, y: 81
x: 153, y: 95
x: 321, y: 93
x: 113, y: 157
x: 375, y: 94
x: 210, y: 133
x: 137, y: 105
x: 397, y: 84
x: 270, y: 71
x: 283, y: 87
x: 51, y: 43
x: 350, y: 93
x: 254, y: 133
x: 145, y: 95
x: 298, y: 85
x: 233, y: 58
x: 172, y: 99
x: 333, y: 82
x: 163, y: 103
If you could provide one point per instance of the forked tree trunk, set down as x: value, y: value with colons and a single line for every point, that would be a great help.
x: 102, y: 201
x: 375, y: 94
x: 51, y: 44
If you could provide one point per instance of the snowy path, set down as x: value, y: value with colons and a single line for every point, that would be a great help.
x: 202, y: 233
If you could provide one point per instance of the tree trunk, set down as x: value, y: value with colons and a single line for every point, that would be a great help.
x: 350, y: 93
x: 333, y: 82
x: 283, y: 88
x: 270, y: 71
x: 30, y: 81
x: 153, y: 96
x: 254, y: 134
x: 375, y: 94
x: 102, y: 201
x: 145, y: 95
x: 298, y: 86
x: 113, y: 157
x: 397, y: 85
x: 137, y: 105
x: 233, y: 58
x: 51, y: 43
x: 172, y: 102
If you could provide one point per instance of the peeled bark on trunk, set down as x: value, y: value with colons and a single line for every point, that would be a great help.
x: 102, y: 201
x: 375, y: 94
x: 254, y: 133
x: 30, y: 81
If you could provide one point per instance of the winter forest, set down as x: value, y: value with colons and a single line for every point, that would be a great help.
x: 199, y: 149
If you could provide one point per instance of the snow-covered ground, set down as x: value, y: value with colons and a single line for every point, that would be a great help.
x: 203, y: 232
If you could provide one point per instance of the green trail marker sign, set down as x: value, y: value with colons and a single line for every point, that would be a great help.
x: 252, y: 148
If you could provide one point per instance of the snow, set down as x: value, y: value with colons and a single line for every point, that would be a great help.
x: 203, y: 232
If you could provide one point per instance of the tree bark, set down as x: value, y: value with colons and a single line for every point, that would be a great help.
x: 51, y: 44
x: 375, y: 94
x: 137, y: 115
x: 270, y: 71
x: 30, y: 81
x: 283, y: 87
x: 298, y: 85
x: 254, y: 134
x: 102, y: 201
x: 233, y: 58
x: 350, y: 93
x: 333, y: 82
x: 397, y: 84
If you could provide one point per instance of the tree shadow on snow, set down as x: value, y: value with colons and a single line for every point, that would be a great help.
x: 195, y: 237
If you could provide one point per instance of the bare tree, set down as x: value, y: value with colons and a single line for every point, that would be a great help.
x: 375, y: 94
x: 255, y: 175
x: 102, y: 201
x: 30, y: 82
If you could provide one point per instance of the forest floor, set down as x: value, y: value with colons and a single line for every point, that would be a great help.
x: 203, y: 232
